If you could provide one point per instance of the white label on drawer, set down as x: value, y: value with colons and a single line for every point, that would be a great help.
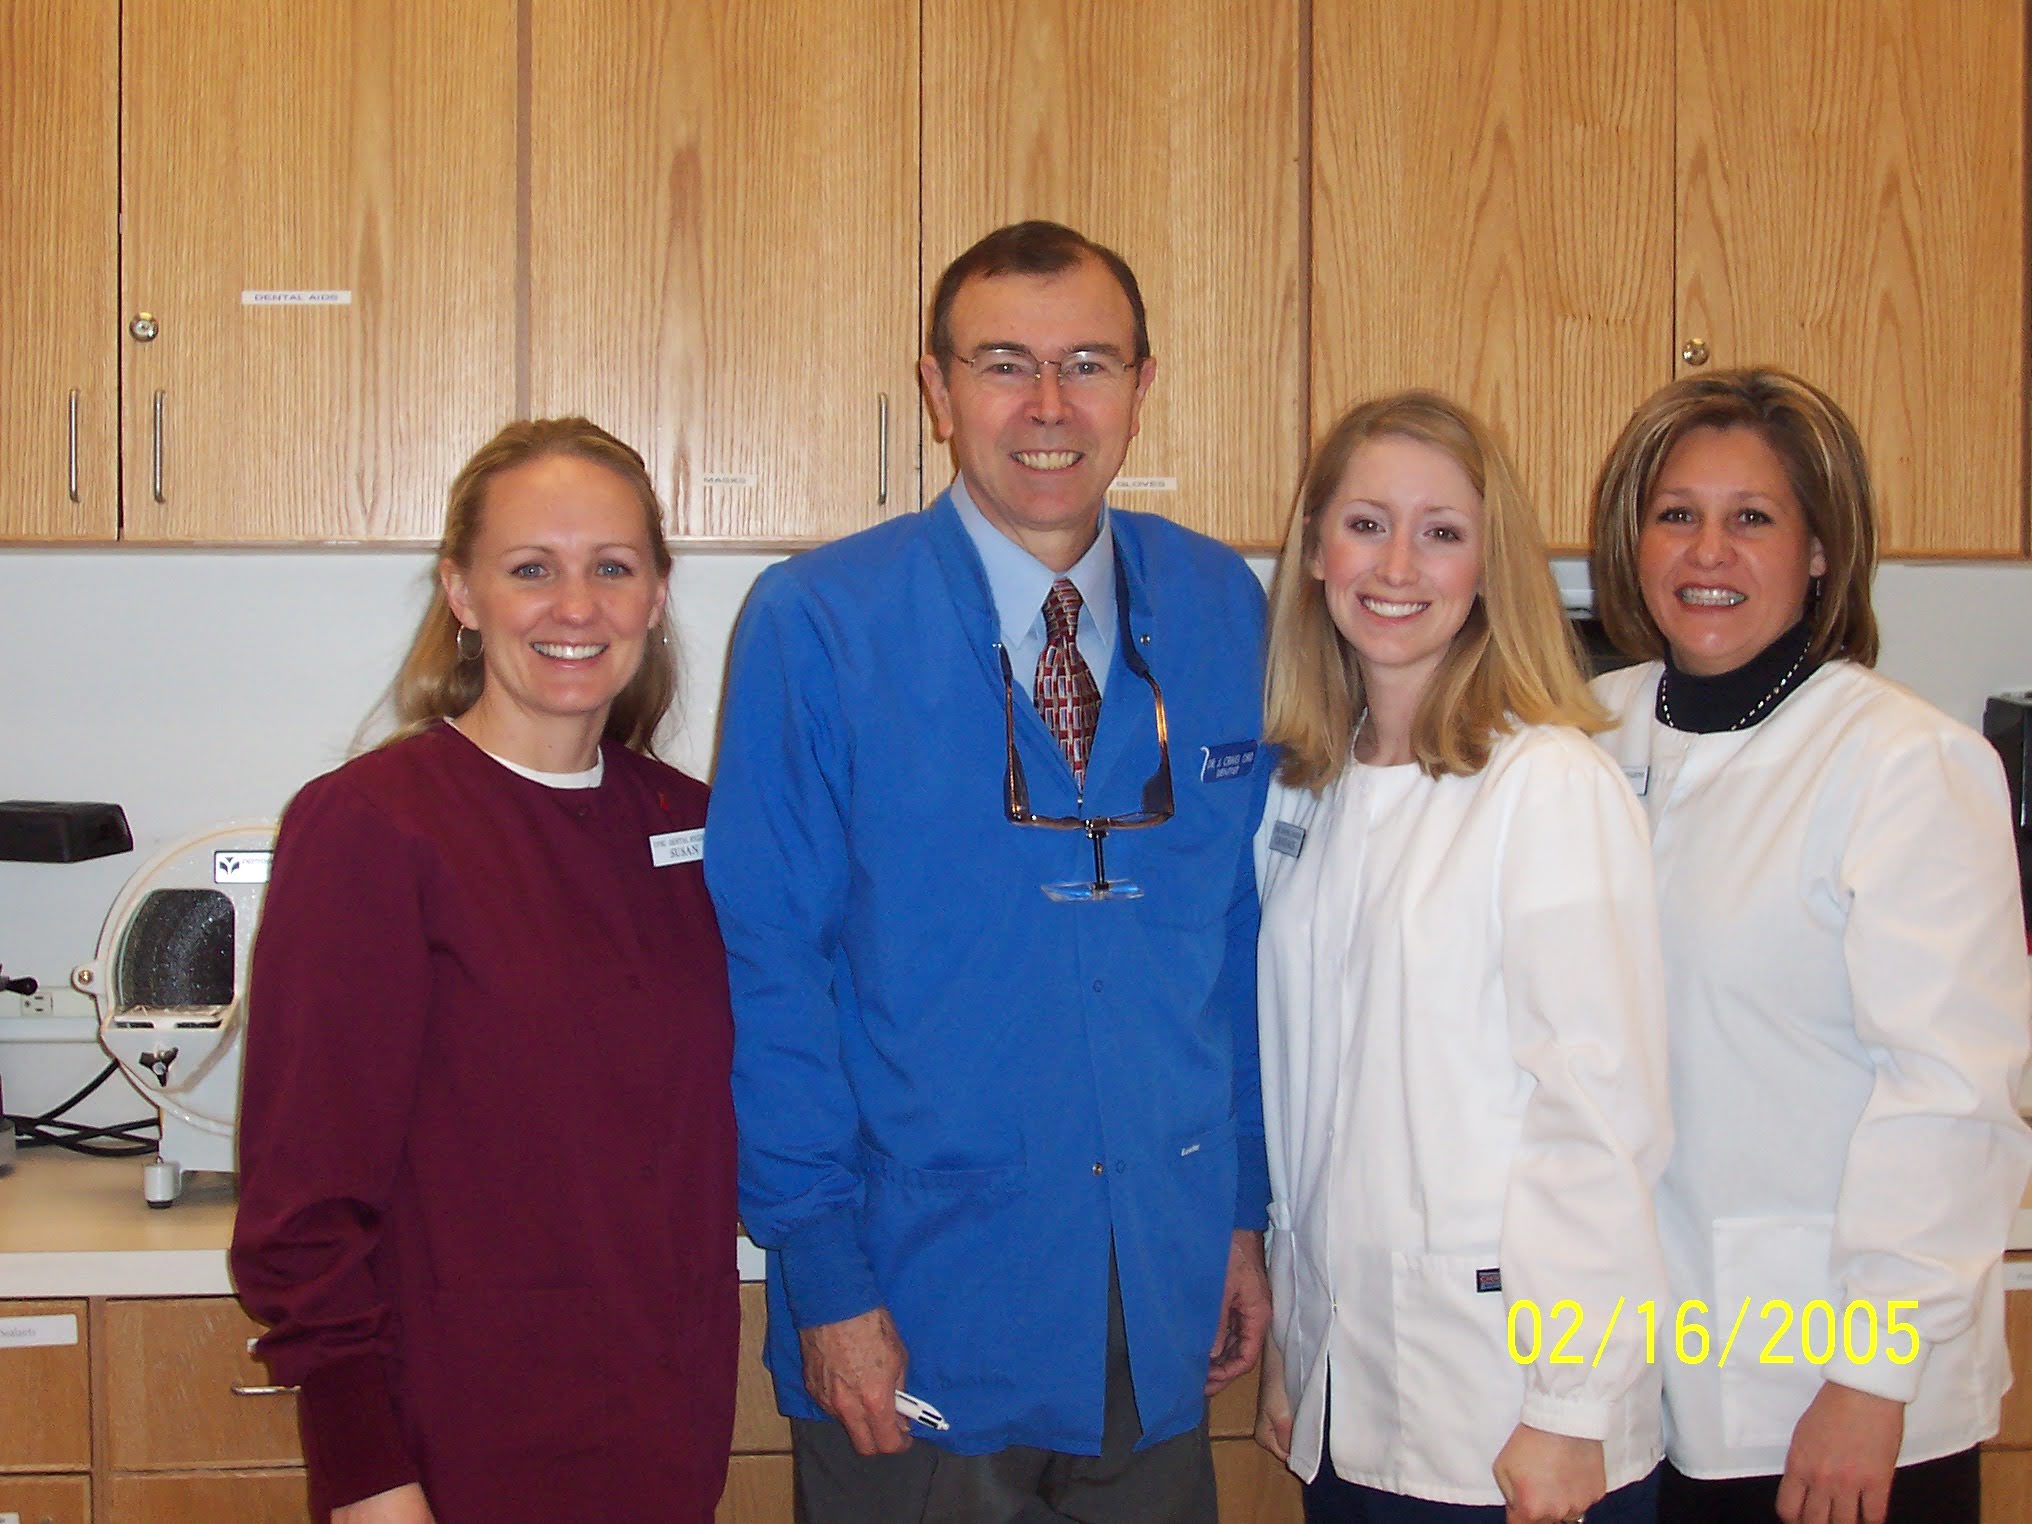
x: 2018, y: 1275
x: 28, y: 1333
x: 10, y: 1518
x: 1144, y: 484
x: 730, y: 479
x: 296, y: 298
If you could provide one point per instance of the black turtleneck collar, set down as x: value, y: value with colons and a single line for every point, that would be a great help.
x: 1736, y: 700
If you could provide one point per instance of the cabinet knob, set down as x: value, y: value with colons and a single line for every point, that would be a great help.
x: 144, y: 327
x: 1694, y: 351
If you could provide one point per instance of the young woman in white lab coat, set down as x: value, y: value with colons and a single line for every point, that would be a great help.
x: 1845, y: 975
x: 1462, y: 1011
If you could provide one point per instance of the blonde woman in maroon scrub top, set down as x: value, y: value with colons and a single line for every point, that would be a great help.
x: 487, y: 1144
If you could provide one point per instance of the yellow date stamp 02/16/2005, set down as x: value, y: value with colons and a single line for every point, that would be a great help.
x: 1782, y: 1332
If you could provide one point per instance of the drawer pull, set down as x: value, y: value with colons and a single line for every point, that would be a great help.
x: 264, y: 1391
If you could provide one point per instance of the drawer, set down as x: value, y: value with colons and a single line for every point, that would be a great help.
x: 46, y: 1499
x: 758, y: 1491
x: 2007, y: 1486
x: 182, y: 1391
x: 215, y: 1497
x: 1231, y: 1414
x: 45, y: 1388
x: 758, y: 1427
x: 1254, y: 1486
x: 2015, y: 1432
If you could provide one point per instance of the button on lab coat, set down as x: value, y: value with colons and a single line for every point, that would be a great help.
x: 1463, y: 1083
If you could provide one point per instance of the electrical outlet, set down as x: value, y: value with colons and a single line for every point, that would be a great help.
x: 52, y: 1014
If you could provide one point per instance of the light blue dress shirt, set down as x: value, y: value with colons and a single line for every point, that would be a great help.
x: 1018, y: 582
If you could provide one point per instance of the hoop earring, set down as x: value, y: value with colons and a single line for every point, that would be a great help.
x: 459, y: 640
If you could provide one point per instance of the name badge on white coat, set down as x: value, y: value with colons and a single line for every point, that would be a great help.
x: 1287, y: 838
x: 674, y: 847
x: 1640, y: 779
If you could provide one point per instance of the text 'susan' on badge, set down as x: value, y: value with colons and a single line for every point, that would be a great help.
x: 674, y: 847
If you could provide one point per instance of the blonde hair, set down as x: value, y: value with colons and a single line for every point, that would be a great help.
x: 1514, y: 661
x: 433, y: 683
x: 1824, y: 464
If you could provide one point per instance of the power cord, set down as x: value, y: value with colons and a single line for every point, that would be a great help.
x: 123, y: 1140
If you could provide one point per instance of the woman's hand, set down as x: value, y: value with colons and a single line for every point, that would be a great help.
x: 1844, y: 1449
x: 398, y: 1505
x: 1547, y: 1478
x: 1273, y: 1404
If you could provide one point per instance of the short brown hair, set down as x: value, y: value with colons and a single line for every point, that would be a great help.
x: 1514, y: 661
x: 433, y: 683
x: 1823, y: 460
x: 1028, y: 248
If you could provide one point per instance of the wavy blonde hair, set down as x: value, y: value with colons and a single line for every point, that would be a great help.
x: 1514, y: 661
x: 1824, y: 463
x: 433, y: 683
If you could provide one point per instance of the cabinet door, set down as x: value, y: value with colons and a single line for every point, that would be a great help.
x: 1254, y: 1487
x: 320, y: 214
x: 1171, y: 134
x: 1851, y: 207
x: 45, y: 1388
x: 2014, y: 1428
x: 1492, y: 218
x: 722, y: 251
x: 2007, y: 1486
x: 759, y: 1491
x: 59, y: 221
x: 46, y: 1499
x: 183, y: 1390
x: 250, y: 1497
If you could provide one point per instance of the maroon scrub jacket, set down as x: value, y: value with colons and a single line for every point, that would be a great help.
x: 486, y: 1140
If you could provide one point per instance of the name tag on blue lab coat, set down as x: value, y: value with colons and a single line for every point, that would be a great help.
x: 1218, y: 764
x: 674, y: 847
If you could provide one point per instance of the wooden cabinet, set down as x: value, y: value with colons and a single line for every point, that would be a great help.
x: 183, y: 1389
x: 59, y: 218
x: 45, y: 1387
x: 1174, y: 135
x: 2007, y: 1459
x: 722, y: 252
x: 320, y: 214
x: 1252, y: 1485
x: 1838, y: 217
x: 46, y: 1499
x: 1553, y: 202
x: 1497, y: 224
x: 265, y: 1497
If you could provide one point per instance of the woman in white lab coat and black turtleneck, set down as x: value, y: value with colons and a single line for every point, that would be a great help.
x: 1462, y: 1010
x: 1845, y: 975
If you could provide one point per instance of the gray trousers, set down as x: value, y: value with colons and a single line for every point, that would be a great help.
x: 1169, y: 1483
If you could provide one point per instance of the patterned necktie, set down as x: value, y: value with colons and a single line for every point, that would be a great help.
x: 1065, y: 692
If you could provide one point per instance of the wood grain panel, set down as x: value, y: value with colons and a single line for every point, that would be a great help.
x: 1494, y: 220
x: 357, y: 145
x: 240, y: 1497
x: 47, y: 1499
x: 59, y: 295
x: 1231, y: 1413
x: 759, y: 1491
x: 2015, y: 1428
x: 171, y: 1365
x: 1172, y: 134
x: 2007, y: 1486
x: 45, y: 1397
x: 1851, y: 208
x: 757, y: 1424
x: 723, y: 250
x: 1253, y: 1486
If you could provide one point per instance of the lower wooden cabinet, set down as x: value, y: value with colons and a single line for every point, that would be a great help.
x: 2007, y: 1459
x: 46, y: 1499
x: 216, y: 1497
x: 184, y: 1392
x: 758, y: 1491
x: 45, y: 1387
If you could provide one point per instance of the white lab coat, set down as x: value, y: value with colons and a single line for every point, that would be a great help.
x: 1849, y: 1011
x: 1463, y: 1077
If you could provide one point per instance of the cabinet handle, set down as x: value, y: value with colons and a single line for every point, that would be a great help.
x: 1694, y: 351
x: 263, y: 1391
x: 74, y: 444
x: 882, y: 450
x: 155, y: 451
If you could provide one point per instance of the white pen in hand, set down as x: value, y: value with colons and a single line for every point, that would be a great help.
x: 917, y: 1410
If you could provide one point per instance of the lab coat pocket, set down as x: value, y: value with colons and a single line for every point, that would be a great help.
x: 1767, y: 1269
x: 1458, y: 1392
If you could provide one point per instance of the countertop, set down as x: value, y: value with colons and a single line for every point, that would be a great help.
x: 72, y: 1226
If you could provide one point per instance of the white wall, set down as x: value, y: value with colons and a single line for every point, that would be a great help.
x: 198, y: 687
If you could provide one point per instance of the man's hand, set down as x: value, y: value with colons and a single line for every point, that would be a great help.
x: 853, y: 1369
x: 1844, y: 1449
x: 1546, y: 1478
x: 1245, y: 1312
x: 398, y: 1505
x: 1273, y: 1405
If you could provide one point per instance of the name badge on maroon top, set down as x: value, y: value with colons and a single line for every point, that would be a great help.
x: 674, y: 847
